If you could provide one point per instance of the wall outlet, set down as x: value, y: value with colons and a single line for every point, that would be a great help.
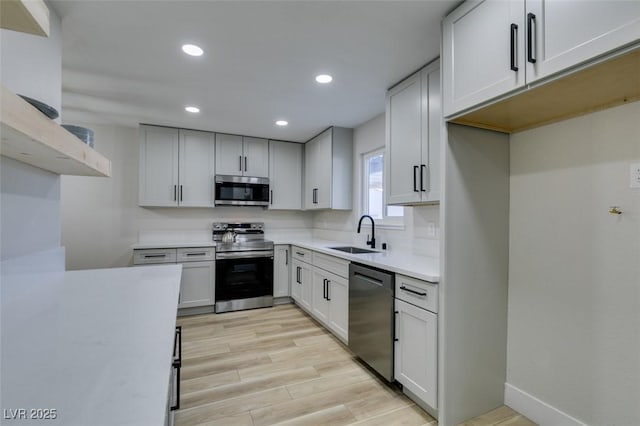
x: 431, y: 229
x: 635, y: 175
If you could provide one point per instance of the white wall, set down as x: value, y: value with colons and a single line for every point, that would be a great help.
x: 30, y: 197
x: 574, y: 273
x: 101, y: 218
x: 32, y: 65
x: 342, y: 225
x: 30, y: 209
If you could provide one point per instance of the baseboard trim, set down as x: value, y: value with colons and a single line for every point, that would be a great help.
x: 535, y: 409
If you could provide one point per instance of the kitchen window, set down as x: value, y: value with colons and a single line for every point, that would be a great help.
x: 374, y: 199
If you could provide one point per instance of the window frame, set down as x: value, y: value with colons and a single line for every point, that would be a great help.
x: 392, y: 222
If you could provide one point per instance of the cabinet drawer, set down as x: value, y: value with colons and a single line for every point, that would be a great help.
x: 301, y: 254
x: 195, y: 254
x: 417, y: 292
x: 149, y: 256
x: 332, y: 264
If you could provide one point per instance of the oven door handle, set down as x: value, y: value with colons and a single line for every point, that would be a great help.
x: 244, y: 254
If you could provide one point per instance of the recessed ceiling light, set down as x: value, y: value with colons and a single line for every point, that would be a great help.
x: 192, y: 49
x: 324, y: 78
x: 282, y: 123
x: 192, y: 109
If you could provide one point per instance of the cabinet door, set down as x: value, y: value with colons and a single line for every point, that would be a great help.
x: 256, y: 157
x: 306, y: 298
x: 338, y: 295
x: 570, y: 32
x: 320, y: 303
x: 296, y: 281
x: 324, y: 170
x: 196, y: 169
x: 415, y: 360
x: 285, y: 175
x: 403, y: 118
x: 197, y: 284
x: 229, y: 158
x: 158, y: 184
x: 310, y: 167
x: 281, y: 271
x: 432, y: 124
x: 476, y: 53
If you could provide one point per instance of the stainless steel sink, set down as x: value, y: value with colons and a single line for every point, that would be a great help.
x: 353, y: 250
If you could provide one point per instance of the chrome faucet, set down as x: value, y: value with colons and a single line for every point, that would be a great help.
x: 370, y: 242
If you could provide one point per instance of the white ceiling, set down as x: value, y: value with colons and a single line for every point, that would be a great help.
x: 123, y: 64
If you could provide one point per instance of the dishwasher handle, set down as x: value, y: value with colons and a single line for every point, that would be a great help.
x: 373, y: 276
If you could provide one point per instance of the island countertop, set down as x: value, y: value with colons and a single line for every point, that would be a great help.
x: 95, y: 345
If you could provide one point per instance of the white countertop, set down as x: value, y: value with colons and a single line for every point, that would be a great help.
x: 95, y: 345
x: 421, y: 267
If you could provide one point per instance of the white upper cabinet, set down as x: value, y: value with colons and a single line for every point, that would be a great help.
x: 158, y: 180
x: 328, y: 170
x: 566, y: 33
x: 176, y: 167
x: 228, y: 155
x: 491, y: 48
x: 285, y: 175
x: 413, y: 132
x: 241, y: 156
x: 479, y: 40
x: 196, y: 169
x: 256, y: 157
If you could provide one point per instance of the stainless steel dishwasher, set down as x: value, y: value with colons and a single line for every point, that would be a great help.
x: 371, y: 317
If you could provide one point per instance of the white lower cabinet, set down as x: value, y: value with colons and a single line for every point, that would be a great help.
x: 197, y: 284
x: 196, y: 287
x: 416, y: 349
x: 328, y: 284
x: 338, y: 295
x: 301, y: 284
x: 319, y: 301
x: 330, y: 304
x: 281, y: 270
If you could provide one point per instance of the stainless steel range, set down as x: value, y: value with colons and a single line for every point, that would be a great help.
x: 244, y: 267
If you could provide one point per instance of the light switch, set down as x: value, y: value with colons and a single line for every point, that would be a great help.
x: 431, y: 229
x: 635, y: 175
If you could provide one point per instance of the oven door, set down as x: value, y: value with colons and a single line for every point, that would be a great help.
x: 241, y: 191
x: 244, y: 275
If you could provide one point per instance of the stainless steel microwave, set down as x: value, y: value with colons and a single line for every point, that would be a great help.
x: 241, y: 191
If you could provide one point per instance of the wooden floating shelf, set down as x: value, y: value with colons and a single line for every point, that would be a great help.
x: 604, y: 85
x: 25, y: 16
x: 29, y: 136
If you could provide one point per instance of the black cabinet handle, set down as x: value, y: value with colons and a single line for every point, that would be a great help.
x: 240, y: 158
x: 298, y: 275
x: 328, y: 295
x: 531, y: 22
x: 286, y: 257
x: 415, y: 184
x: 201, y: 253
x: 324, y: 289
x: 180, y: 192
x: 151, y: 256
x: 245, y: 164
x: 422, y: 168
x: 412, y: 291
x: 271, y: 196
x: 177, y: 364
x: 175, y: 192
x: 514, y: 39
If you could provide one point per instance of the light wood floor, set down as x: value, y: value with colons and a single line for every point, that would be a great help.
x: 277, y: 366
